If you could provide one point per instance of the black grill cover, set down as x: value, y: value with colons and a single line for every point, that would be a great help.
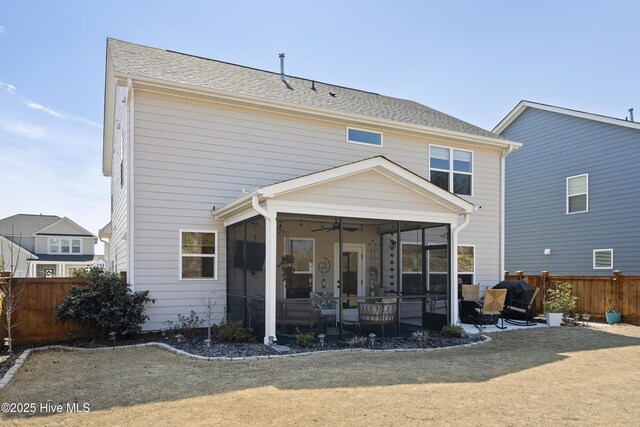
x: 519, y: 294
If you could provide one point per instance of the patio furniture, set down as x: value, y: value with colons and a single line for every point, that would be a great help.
x: 471, y: 292
x: 288, y: 313
x: 377, y: 313
x: 525, y: 311
x: 493, y: 305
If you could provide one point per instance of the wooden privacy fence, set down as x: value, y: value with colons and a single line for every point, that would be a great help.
x: 596, y: 294
x: 35, y: 316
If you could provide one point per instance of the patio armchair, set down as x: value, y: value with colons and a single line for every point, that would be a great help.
x: 526, y: 311
x: 377, y: 313
x: 471, y: 292
x: 493, y: 305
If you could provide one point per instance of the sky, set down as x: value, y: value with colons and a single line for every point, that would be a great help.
x: 471, y: 59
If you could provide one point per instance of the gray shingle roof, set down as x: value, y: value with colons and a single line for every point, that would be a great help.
x: 146, y: 62
x: 25, y: 225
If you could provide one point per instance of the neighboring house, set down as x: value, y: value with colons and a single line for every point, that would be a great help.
x: 572, y: 192
x: 218, y: 170
x: 45, y: 246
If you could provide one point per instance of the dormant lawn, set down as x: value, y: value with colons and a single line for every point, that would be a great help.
x: 547, y: 376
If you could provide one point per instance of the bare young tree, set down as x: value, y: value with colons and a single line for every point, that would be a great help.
x: 10, y: 293
x: 208, y: 302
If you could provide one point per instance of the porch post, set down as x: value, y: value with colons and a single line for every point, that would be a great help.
x: 453, y: 251
x: 271, y: 232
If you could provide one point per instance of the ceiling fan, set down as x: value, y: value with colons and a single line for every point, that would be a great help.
x: 335, y: 227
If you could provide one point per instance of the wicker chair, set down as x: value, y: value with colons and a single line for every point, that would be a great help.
x: 493, y: 305
x: 379, y: 313
x: 471, y: 292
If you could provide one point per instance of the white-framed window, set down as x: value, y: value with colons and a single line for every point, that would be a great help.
x: 578, y: 194
x: 451, y: 169
x: 603, y: 259
x: 362, y: 136
x: 466, y: 264
x: 64, y: 246
x: 198, y: 254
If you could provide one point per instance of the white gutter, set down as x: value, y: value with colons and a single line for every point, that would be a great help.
x: 455, y: 317
x: 271, y: 232
x: 505, y: 153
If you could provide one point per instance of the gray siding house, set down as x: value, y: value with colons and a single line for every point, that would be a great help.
x: 572, y: 198
x: 219, y: 172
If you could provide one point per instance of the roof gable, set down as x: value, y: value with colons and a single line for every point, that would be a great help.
x: 65, y: 227
x: 26, y: 225
x: 523, y: 105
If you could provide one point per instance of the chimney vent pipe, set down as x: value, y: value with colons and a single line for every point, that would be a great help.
x: 631, y: 114
x: 282, y: 67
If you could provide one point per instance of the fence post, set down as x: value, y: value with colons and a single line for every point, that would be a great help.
x: 505, y: 275
x: 618, y: 284
x: 519, y: 275
x: 123, y: 276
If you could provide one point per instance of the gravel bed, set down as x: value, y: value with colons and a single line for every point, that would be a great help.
x: 194, y: 344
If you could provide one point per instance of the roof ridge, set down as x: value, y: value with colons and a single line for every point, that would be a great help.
x: 578, y: 111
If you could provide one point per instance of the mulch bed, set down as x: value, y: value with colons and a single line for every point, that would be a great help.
x: 194, y: 343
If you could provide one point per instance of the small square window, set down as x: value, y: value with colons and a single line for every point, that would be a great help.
x: 198, y: 255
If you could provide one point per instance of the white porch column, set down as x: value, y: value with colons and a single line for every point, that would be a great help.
x: 455, y: 230
x: 270, y: 278
x: 270, y: 241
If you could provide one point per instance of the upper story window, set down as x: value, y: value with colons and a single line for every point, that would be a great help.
x: 360, y: 136
x: 603, y: 259
x: 451, y: 169
x: 578, y: 194
x: 198, y: 255
x: 64, y: 246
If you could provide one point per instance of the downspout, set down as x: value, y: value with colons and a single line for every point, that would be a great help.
x: 130, y: 188
x: 454, y: 267
x: 505, y: 153
x: 269, y: 270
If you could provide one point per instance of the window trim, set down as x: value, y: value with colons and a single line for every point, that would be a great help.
x: 473, y: 273
x: 60, y: 238
x: 610, y: 267
x: 450, y: 171
x: 214, y: 255
x: 578, y: 194
x: 364, y: 143
x: 313, y: 260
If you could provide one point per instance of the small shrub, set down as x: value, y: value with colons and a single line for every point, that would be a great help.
x: 305, y: 339
x: 106, y: 303
x: 357, y: 341
x: 186, y: 325
x: 234, y: 331
x: 452, y: 331
x: 420, y: 337
x: 558, y: 299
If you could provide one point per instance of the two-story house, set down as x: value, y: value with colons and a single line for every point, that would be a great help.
x: 572, y: 192
x: 45, y: 246
x: 248, y: 184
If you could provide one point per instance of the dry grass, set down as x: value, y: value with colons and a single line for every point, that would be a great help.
x: 559, y: 376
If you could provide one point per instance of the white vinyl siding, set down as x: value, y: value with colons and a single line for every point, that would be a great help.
x: 119, y: 188
x: 603, y: 259
x: 578, y: 194
x: 193, y: 155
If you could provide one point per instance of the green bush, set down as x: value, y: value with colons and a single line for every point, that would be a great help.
x: 186, y: 325
x: 452, y: 331
x: 305, y: 339
x: 106, y: 303
x: 234, y: 331
x: 558, y: 299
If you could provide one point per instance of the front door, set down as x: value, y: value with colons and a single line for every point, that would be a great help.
x: 350, y: 282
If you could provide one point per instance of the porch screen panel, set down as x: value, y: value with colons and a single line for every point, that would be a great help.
x: 235, y: 274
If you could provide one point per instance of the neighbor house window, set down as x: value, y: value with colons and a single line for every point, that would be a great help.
x: 198, y: 255
x: 603, y: 259
x: 301, y: 283
x: 66, y: 246
x: 578, y: 194
x: 360, y: 136
x: 451, y: 169
x: 411, y: 268
x: 438, y: 269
